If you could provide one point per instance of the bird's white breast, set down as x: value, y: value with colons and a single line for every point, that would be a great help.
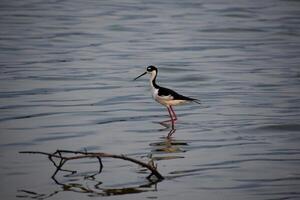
x: 154, y: 93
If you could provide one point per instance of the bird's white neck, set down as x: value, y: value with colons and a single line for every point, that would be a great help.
x: 153, y: 79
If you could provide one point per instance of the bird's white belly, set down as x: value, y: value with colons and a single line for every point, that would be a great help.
x: 166, y: 100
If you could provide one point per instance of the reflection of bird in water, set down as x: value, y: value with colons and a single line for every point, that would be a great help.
x: 172, y: 131
x: 166, y: 96
x: 168, y: 145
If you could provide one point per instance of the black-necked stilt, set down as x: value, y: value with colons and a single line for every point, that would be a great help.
x: 165, y: 96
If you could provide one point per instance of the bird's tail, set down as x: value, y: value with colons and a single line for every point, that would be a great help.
x: 192, y: 99
x: 196, y: 101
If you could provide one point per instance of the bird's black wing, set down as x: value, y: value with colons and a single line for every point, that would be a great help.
x: 168, y: 92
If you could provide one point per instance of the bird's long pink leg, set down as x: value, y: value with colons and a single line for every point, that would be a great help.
x: 171, y: 117
x: 170, y: 114
x: 172, y: 120
x: 175, y: 117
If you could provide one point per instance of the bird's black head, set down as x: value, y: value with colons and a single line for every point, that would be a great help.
x: 151, y: 68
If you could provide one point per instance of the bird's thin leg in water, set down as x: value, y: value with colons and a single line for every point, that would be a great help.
x: 175, y: 117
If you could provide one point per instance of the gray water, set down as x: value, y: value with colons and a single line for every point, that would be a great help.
x: 66, y: 83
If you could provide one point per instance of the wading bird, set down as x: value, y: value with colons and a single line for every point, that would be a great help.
x: 165, y: 96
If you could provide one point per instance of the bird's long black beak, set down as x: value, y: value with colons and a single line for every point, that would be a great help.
x: 140, y: 75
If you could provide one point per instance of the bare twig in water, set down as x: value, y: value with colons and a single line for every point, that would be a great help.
x: 66, y: 155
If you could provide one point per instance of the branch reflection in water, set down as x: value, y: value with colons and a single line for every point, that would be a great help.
x: 90, y: 186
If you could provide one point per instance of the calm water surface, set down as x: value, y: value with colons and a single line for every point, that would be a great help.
x: 66, y: 70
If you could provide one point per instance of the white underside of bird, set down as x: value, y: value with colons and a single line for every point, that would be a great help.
x: 166, y: 100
